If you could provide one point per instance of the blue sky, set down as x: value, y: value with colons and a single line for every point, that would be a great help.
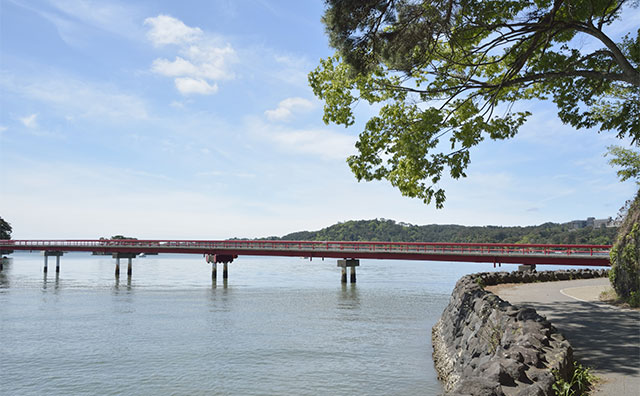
x: 165, y: 119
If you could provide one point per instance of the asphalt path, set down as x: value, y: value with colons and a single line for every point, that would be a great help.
x: 604, y: 337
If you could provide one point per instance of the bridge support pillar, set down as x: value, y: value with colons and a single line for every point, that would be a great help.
x: 47, y: 254
x: 526, y: 267
x: 225, y: 259
x: 129, y: 257
x: 351, y: 263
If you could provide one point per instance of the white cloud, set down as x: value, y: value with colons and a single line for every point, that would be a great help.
x: 30, y: 121
x: 287, y: 107
x: 178, y: 67
x: 202, y: 59
x: 205, y: 62
x: 187, y: 85
x: 3, y: 128
x: 166, y: 29
x: 211, y: 59
x: 323, y: 143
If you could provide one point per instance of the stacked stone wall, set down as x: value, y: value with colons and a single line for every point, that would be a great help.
x: 484, y: 346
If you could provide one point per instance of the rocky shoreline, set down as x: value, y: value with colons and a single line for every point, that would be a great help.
x: 484, y: 346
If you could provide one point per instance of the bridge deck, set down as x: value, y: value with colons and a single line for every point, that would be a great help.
x: 590, y: 255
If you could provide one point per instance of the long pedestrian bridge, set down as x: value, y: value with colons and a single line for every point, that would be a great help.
x: 348, y: 253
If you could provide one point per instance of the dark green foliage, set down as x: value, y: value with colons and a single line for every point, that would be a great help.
x: 5, y: 229
x: 625, y: 257
x: 445, y: 74
x: 5, y: 233
x: 389, y: 230
x: 119, y: 237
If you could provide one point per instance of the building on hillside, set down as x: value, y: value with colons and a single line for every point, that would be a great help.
x: 592, y: 222
x: 576, y: 224
x: 603, y: 223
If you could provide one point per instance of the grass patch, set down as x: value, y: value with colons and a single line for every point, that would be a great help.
x: 580, y: 384
x: 610, y: 296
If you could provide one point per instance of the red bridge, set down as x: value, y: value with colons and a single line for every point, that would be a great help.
x: 225, y: 251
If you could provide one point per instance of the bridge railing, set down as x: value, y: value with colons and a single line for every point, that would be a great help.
x: 311, y: 246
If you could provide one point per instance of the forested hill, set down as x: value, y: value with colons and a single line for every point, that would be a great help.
x: 389, y: 230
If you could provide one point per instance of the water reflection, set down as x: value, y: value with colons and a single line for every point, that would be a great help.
x: 46, y: 283
x: 4, y: 273
x: 128, y: 288
x: 349, y: 298
x: 220, y: 298
x: 214, y: 283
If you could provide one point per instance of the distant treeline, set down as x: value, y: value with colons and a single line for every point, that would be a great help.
x: 389, y: 230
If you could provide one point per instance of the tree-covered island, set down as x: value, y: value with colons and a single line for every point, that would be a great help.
x: 390, y: 230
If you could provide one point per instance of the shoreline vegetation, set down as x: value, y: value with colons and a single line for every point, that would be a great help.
x: 391, y: 231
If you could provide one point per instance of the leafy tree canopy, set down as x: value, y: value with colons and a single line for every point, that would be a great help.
x: 445, y: 74
x: 5, y: 229
x: 628, y: 160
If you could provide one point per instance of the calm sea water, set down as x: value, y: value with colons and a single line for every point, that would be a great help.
x: 279, y: 326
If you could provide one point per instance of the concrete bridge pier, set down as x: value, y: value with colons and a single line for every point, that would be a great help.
x: 350, y: 263
x: 526, y: 267
x: 46, y: 260
x: 214, y: 259
x: 210, y: 258
x: 129, y: 257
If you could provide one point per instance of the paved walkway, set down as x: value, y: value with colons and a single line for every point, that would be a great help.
x: 604, y: 337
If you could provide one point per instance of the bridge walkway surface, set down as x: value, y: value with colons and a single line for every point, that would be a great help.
x: 604, y: 337
x: 589, y: 255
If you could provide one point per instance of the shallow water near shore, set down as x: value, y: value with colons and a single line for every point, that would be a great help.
x: 283, y: 326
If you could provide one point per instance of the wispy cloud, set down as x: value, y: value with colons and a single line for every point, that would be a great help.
x: 30, y: 121
x: 324, y: 143
x: 291, y: 69
x: 76, y: 20
x: 217, y: 173
x: 287, y: 108
x: 202, y: 60
x: 76, y: 98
